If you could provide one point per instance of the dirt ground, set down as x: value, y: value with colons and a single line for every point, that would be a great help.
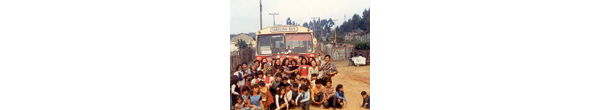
x: 355, y: 80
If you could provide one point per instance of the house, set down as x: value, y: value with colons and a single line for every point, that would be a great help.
x: 251, y: 41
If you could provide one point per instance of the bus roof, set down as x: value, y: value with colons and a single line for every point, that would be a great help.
x: 283, y: 29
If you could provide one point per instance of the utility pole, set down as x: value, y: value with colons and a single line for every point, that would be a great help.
x: 344, y: 17
x: 314, y: 24
x: 273, y: 17
x: 334, y: 33
x: 261, y: 15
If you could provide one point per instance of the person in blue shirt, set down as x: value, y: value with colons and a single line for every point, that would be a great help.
x: 341, y: 98
x: 350, y: 59
x: 303, y: 98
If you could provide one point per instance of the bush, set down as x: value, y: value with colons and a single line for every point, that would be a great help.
x: 362, y: 45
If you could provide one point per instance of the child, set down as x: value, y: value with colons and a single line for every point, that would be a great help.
x: 268, y: 79
x: 267, y: 99
x: 235, y: 88
x: 298, y: 76
x: 341, y: 98
x: 292, y: 80
x: 285, y: 80
x: 288, y: 95
x: 245, y: 92
x: 239, y: 105
x: 280, y: 100
x: 303, y: 99
x: 317, y: 94
x: 257, y: 78
x: 249, y: 81
x: 295, y: 91
x: 313, y: 79
x: 366, y: 100
x: 275, y: 84
x: 328, y: 93
x: 255, y: 98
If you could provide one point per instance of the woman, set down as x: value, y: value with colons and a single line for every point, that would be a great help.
x: 264, y: 60
x: 265, y: 68
x: 257, y: 63
x: 286, y: 66
x: 303, y: 61
x: 275, y: 65
x: 314, y: 69
x: 304, y: 68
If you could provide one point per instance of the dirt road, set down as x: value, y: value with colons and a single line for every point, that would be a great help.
x: 355, y: 80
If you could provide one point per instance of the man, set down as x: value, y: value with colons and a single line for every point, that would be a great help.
x: 242, y: 74
x: 328, y: 68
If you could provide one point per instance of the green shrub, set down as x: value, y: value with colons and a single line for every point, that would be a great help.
x: 362, y: 45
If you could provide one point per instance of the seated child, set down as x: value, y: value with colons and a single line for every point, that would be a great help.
x: 317, y: 94
x: 303, y: 98
x: 341, y: 98
x: 366, y: 100
x: 294, y: 87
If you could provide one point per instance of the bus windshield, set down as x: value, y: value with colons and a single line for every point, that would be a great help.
x: 298, y: 43
x: 270, y: 44
x: 294, y: 43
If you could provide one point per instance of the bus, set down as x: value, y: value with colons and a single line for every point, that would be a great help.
x: 285, y: 41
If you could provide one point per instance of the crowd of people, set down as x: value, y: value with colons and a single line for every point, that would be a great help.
x: 287, y: 83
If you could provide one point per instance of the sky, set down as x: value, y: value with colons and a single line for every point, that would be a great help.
x: 245, y: 14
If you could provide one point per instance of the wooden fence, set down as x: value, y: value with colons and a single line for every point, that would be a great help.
x: 242, y: 55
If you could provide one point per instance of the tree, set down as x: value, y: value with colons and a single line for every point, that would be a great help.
x: 305, y: 24
x: 288, y: 21
x: 366, y: 18
x: 241, y: 44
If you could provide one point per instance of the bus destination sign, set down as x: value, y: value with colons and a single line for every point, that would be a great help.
x: 284, y: 29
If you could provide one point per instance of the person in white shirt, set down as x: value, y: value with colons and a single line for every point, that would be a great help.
x: 314, y: 68
x: 241, y: 74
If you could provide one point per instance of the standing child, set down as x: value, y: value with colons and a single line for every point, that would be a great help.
x: 275, y: 85
x: 303, y: 99
x: 341, y: 98
x: 268, y: 79
x: 255, y: 98
x: 235, y: 88
x: 366, y: 100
